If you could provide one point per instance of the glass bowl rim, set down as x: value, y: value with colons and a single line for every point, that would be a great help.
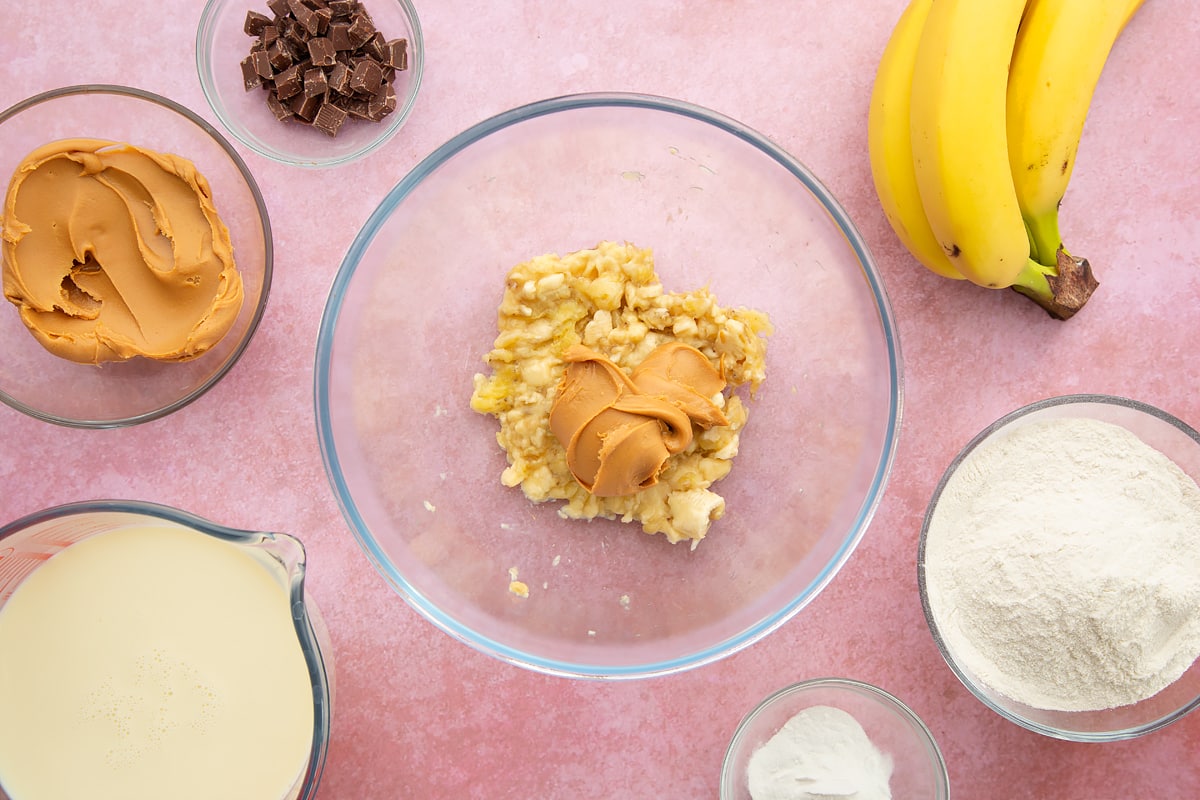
x: 971, y: 686
x: 861, y: 688
x: 268, y: 252
x: 366, y: 236
x: 399, y: 117
x: 314, y: 656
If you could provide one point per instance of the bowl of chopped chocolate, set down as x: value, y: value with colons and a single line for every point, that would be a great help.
x: 312, y: 83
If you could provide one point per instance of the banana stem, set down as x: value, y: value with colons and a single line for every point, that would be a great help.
x: 1061, y: 290
x: 1044, y: 239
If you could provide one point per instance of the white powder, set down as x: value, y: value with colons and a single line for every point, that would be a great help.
x: 822, y: 753
x: 1063, y: 566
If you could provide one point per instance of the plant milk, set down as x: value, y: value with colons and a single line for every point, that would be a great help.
x: 152, y: 662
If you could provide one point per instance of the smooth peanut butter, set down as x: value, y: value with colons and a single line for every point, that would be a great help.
x: 112, y: 251
x: 619, y: 430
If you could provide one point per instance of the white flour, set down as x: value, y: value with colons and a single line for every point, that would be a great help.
x: 822, y: 753
x: 1063, y: 566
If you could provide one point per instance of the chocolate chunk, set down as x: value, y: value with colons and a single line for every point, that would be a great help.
x: 278, y: 108
x: 382, y: 103
x: 329, y: 119
x: 361, y: 29
x: 341, y: 8
x: 373, y: 47
x: 320, y: 49
x: 306, y: 107
x: 255, y: 22
x: 315, y: 83
x: 250, y: 76
x: 339, y: 78
x: 339, y: 34
x: 305, y: 16
x: 280, y: 56
x: 279, y: 8
x: 395, y: 54
x: 260, y: 60
x: 324, y: 16
x: 366, y: 77
x: 269, y: 34
x: 288, y: 83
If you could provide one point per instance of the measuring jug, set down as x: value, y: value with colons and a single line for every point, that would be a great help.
x: 28, y: 544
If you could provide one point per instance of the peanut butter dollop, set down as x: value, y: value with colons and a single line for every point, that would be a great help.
x: 619, y: 430
x: 112, y: 251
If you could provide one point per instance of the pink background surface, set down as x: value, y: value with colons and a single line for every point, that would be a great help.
x: 420, y: 715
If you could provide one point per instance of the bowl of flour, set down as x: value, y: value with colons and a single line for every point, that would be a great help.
x: 833, y: 738
x: 1059, y: 567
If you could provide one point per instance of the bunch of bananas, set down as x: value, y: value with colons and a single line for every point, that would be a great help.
x: 976, y: 115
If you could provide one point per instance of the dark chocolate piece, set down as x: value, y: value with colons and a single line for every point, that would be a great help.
x: 278, y: 7
x: 320, y: 49
x: 361, y: 29
x: 339, y: 78
x: 329, y: 119
x: 269, y: 35
x: 366, y: 77
x: 395, y: 54
x: 382, y: 104
x: 288, y: 83
x: 341, y: 8
x: 280, y: 56
x: 374, y: 46
x: 277, y: 107
x: 315, y: 83
x: 250, y: 76
x: 261, y: 61
x: 255, y: 22
x: 306, y: 107
x: 324, y: 17
x: 339, y: 34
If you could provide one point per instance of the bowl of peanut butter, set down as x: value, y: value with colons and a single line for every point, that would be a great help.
x: 608, y: 386
x: 137, y: 256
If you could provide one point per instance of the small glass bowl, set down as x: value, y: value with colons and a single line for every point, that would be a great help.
x: 222, y: 43
x: 918, y: 769
x: 1165, y: 433
x: 116, y: 394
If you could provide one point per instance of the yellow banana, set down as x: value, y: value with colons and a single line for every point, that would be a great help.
x: 959, y: 140
x: 1061, y: 48
x: 889, y: 142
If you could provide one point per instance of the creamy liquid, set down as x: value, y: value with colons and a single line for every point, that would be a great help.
x: 149, y: 663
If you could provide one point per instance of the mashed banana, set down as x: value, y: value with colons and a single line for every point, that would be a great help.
x: 609, y: 299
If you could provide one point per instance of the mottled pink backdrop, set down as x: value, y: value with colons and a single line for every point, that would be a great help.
x: 420, y: 715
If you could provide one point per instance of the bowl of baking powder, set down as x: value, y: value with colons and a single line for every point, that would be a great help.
x: 1059, y: 567
x: 833, y: 737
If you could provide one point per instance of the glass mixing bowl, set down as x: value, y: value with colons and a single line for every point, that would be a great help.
x: 1165, y: 433
x: 412, y: 312
x: 116, y: 394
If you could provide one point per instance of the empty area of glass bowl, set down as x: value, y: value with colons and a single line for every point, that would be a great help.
x: 413, y: 311
x: 44, y: 385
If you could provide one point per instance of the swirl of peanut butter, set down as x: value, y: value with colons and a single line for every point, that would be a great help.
x: 619, y: 430
x: 112, y: 251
